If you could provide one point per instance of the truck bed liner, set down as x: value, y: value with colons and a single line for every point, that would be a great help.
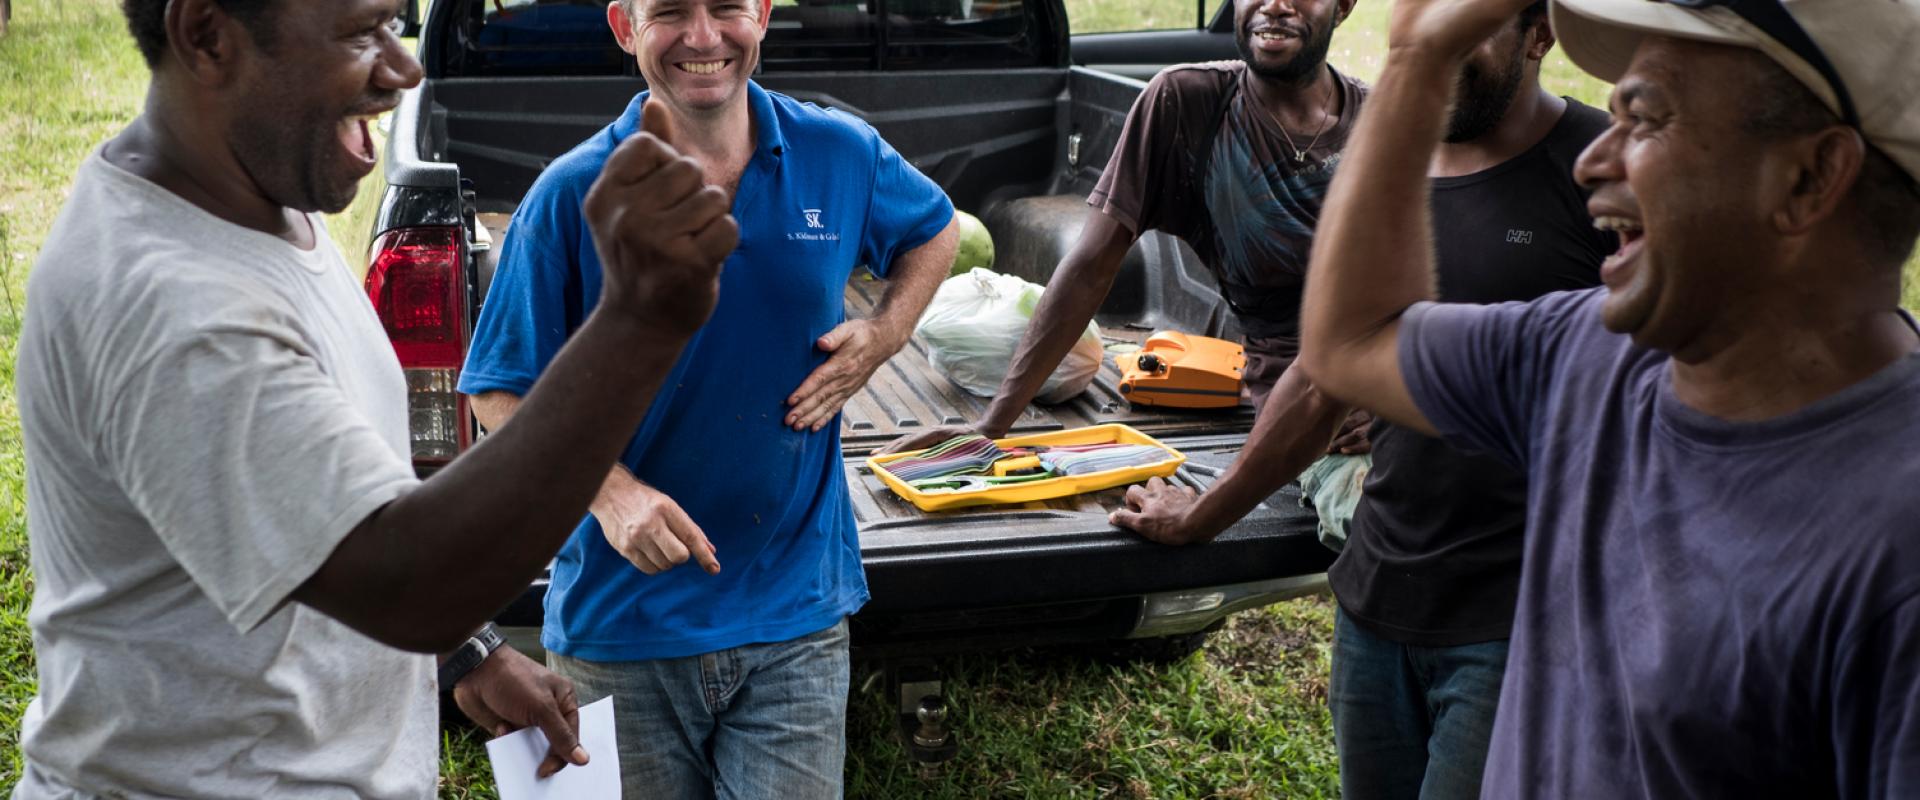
x: 919, y: 561
x: 908, y: 395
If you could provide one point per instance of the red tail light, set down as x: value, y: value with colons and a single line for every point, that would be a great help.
x: 419, y: 290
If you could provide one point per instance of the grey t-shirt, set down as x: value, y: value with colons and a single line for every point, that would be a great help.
x: 1707, y: 608
x: 207, y: 412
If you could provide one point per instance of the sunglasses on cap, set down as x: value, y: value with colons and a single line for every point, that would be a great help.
x: 1773, y: 20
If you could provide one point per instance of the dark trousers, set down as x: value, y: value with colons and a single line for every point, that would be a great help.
x: 1411, y: 722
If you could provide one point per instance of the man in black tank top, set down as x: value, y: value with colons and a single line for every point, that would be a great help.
x: 1430, y: 573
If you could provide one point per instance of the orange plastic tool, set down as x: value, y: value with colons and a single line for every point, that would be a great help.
x: 1180, y: 370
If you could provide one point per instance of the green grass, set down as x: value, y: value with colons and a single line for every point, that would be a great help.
x: 1246, y: 718
x: 1107, y: 16
x: 69, y: 77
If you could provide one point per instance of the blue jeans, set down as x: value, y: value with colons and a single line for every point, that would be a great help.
x: 1411, y: 722
x: 756, y: 721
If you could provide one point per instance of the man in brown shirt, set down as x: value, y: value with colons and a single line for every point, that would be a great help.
x: 1204, y: 157
x: 1233, y: 157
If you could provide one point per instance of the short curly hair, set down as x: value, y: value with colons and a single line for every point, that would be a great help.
x: 147, y: 21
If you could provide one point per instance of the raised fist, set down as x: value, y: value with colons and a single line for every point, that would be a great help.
x: 661, y: 232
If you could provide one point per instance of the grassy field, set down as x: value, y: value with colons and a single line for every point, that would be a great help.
x: 1246, y: 718
x: 69, y: 76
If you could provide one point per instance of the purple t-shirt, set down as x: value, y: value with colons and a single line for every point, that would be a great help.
x: 1707, y: 608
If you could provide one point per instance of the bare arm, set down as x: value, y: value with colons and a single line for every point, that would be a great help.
x: 493, y: 409
x: 915, y: 276
x: 860, y: 346
x: 1292, y: 430
x: 428, y: 568
x: 1373, y: 251
x: 1073, y: 294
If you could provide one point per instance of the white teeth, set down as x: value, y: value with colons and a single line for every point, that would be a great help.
x: 1615, y: 224
x: 702, y: 67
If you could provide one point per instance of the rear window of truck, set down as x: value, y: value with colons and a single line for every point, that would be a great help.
x: 571, y: 37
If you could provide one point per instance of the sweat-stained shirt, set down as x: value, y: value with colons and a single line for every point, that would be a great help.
x: 822, y: 194
x: 1200, y: 159
x: 1708, y: 608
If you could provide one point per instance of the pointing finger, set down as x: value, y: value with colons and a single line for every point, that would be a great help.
x: 693, y: 538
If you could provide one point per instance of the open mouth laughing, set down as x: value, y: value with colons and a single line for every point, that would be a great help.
x: 356, y: 136
x: 1618, y: 267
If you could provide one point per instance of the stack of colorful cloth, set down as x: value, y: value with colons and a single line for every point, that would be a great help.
x: 961, y: 455
x: 1086, y: 458
x: 975, y: 455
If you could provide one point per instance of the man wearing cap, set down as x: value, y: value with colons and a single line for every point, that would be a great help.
x: 1721, y: 585
x: 727, y: 682
x: 1427, y: 580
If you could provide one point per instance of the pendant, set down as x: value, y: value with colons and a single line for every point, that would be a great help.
x: 1299, y: 156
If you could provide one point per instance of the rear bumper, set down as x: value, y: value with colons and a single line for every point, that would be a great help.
x: 1052, y: 573
x: 998, y: 580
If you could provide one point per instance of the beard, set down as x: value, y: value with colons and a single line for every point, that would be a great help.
x: 1481, y: 98
x: 1314, y: 43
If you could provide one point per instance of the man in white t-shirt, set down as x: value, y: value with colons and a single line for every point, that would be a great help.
x: 233, y: 557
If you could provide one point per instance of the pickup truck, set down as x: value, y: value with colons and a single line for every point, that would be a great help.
x: 984, y: 97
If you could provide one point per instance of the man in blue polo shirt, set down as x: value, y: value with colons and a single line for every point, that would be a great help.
x: 729, y: 681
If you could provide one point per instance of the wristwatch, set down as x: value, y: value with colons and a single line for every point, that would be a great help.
x: 469, y: 655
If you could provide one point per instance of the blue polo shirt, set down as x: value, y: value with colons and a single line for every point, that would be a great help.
x: 822, y: 194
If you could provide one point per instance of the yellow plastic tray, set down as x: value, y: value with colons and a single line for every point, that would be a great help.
x: 1041, y: 489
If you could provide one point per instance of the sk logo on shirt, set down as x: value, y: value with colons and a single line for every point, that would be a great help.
x: 813, y: 233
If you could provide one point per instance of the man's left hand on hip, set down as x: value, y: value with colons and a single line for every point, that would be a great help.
x: 859, y: 347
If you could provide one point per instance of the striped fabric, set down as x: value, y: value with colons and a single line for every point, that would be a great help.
x: 1083, y: 459
x: 960, y: 455
x: 975, y: 455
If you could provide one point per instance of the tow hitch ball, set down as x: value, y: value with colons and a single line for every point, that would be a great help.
x: 923, y: 718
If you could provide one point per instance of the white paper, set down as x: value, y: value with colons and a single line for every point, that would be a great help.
x: 516, y: 757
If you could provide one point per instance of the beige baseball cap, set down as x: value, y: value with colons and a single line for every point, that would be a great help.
x: 1874, y: 45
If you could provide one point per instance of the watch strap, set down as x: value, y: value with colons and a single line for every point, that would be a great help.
x: 470, y: 654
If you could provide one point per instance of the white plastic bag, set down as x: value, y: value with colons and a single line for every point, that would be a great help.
x: 976, y: 320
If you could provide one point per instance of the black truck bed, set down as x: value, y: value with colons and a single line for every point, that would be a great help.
x: 908, y: 395
x: 919, y: 562
x: 1020, y: 148
x: 1041, y: 572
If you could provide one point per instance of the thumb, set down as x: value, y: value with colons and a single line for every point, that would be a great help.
x: 1124, y: 518
x: 653, y: 119
x: 832, y: 340
x: 563, y: 739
